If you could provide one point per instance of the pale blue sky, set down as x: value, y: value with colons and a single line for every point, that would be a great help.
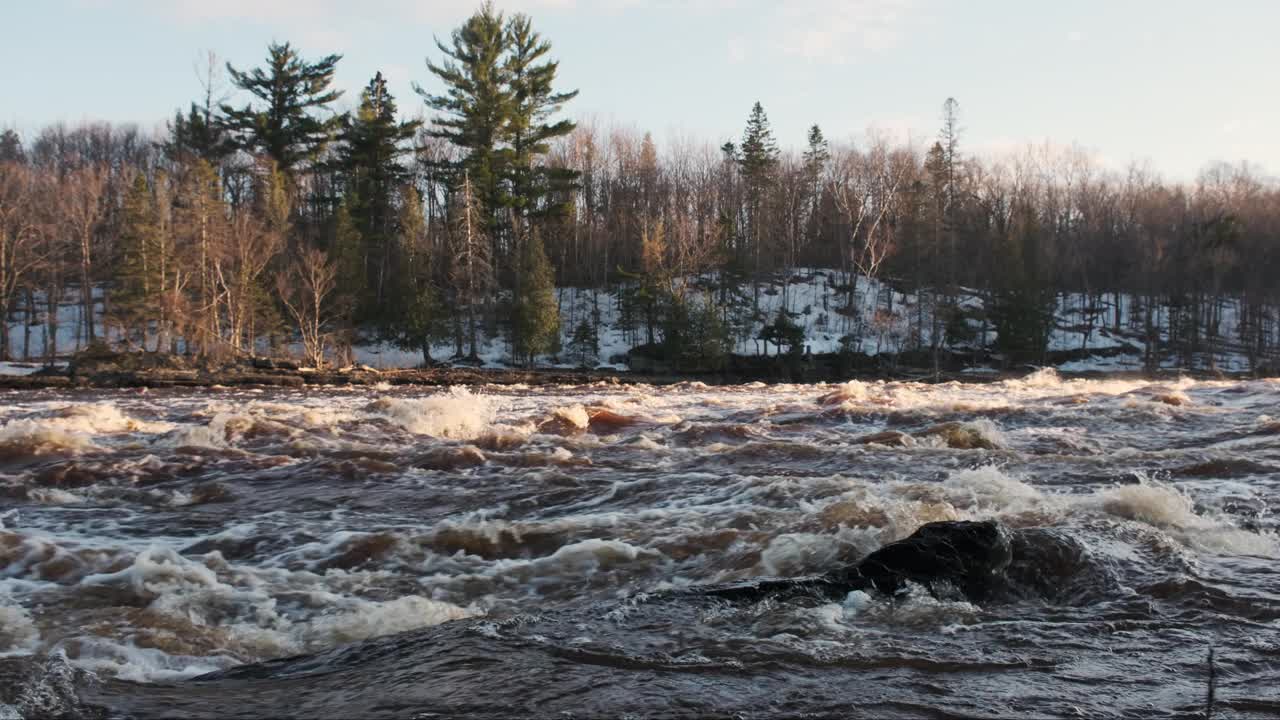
x: 1177, y: 82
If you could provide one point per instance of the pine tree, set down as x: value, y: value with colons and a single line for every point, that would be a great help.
x: 137, y: 279
x: 498, y: 106
x: 291, y: 90
x: 679, y: 338
x: 1023, y: 305
x: 783, y: 332
x: 370, y: 160
x: 585, y: 343
x: 537, y: 315
x: 529, y: 126
x: 418, y: 314
x: 197, y: 135
x: 711, y: 341
x: 816, y: 155
x: 348, y: 258
x: 759, y: 152
x: 11, y: 150
x: 476, y: 104
x: 758, y: 160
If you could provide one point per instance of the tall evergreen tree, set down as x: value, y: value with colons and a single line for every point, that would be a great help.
x: 817, y: 156
x: 531, y: 125
x: 498, y: 106
x: 1022, y: 304
x: 537, y: 315
x: 347, y: 254
x: 150, y: 282
x: 137, y: 280
x: 375, y: 142
x: 418, y: 315
x: 197, y: 134
x: 712, y: 342
x: 758, y: 159
x: 285, y: 127
x: 11, y: 148
x: 759, y: 151
x: 476, y: 104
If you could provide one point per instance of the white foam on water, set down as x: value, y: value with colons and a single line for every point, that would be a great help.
x: 856, y: 602
x: 457, y: 414
x: 127, y: 661
x: 1165, y: 507
x: 988, y: 491
x: 793, y: 553
x: 103, y: 418
x: 156, y: 572
x: 245, y: 613
x: 366, y: 619
x: 915, y: 606
x: 72, y: 428
x: 1042, y: 378
x: 52, y: 496
x: 589, y: 556
x: 852, y: 392
x: 37, y: 437
x: 214, y: 435
x: 18, y: 632
x: 1153, y: 504
x: 726, y: 522
x: 573, y: 415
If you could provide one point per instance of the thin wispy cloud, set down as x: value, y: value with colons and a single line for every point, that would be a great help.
x: 815, y: 30
x: 838, y: 31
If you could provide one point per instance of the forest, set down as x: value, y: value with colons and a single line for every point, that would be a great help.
x: 263, y: 221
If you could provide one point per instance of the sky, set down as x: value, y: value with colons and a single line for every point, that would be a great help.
x: 1178, y: 84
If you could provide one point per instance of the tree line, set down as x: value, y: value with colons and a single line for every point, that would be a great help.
x: 280, y: 222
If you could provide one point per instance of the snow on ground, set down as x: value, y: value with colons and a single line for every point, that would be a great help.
x: 11, y: 368
x: 882, y: 320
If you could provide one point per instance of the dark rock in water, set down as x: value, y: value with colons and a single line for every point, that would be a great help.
x: 968, y: 557
x: 1052, y: 565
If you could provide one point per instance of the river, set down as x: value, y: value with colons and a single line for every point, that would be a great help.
x: 497, y: 551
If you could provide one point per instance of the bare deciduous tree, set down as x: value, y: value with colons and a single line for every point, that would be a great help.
x: 305, y: 289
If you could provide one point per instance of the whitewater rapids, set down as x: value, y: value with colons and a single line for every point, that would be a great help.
x: 483, y: 551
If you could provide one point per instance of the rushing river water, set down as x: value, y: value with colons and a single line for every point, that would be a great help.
x: 404, y: 552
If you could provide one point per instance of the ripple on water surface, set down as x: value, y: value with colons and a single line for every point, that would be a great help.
x: 488, y: 550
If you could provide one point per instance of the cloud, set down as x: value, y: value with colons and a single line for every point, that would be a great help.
x: 837, y: 30
x: 832, y: 31
x: 309, y: 12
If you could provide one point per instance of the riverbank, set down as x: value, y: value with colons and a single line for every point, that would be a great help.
x: 106, y: 370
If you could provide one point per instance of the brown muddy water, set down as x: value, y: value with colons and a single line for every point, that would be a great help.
x: 528, y: 551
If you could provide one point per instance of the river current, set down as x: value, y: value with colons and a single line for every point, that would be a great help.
x: 535, y: 551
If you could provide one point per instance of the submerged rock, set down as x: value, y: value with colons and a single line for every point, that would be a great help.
x: 946, y: 557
